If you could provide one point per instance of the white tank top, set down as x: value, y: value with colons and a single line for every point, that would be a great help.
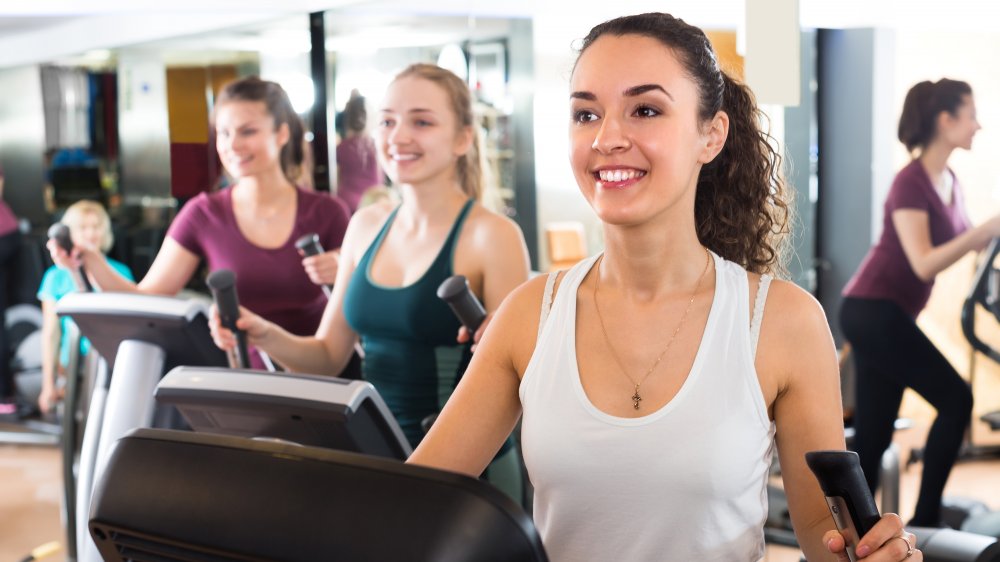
x: 687, y: 482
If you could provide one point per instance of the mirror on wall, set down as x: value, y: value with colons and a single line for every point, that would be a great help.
x: 367, y: 48
x: 129, y: 126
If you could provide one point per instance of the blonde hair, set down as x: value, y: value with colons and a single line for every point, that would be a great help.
x: 470, y: 165
x: 73, y: 217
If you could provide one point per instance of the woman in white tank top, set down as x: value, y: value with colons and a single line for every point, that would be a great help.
x: 653, y: 380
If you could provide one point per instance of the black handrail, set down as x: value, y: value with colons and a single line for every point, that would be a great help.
x: 985, y: 291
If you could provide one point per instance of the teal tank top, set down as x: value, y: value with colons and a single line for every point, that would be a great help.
x: 408, y: 334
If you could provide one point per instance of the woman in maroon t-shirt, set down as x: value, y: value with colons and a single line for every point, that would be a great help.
x: 357, y: 165
x: 250, y: 227
x: 925, y: 231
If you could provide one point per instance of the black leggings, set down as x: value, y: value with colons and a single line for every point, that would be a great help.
x: 890, y: 355
x: 8, y: 249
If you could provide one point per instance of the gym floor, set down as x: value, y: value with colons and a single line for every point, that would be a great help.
x: 31, y: 486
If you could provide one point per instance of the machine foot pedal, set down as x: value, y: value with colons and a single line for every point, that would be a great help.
x: 992, y: 419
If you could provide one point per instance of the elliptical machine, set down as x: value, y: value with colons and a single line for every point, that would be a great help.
x: 962, y: 513
x: 290, y: 499
x: 142, y: 336
x: 985, y: 292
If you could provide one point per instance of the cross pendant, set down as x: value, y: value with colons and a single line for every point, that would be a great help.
x: 636, y: 398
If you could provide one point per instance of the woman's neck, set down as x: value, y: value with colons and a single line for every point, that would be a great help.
x: 430, y: 202
x: 263, y: 190
x: 649, y: 261
x: 934, y: 158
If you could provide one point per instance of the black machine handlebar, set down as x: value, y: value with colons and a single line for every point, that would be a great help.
x: 455, y: 291
x: 308, y: 246
x: 60, y: 233
x: 847, y: 494
x: 985, y: 291
x: 222, y: 282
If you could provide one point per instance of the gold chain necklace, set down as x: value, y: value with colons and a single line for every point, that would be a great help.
x: 636, y: 397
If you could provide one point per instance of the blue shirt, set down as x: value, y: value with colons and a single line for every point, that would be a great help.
x: 58, y: 282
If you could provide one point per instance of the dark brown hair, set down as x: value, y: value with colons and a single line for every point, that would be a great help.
x: 742, y: 208
x: 355, y: 114
x: 280, y: 108
x: 470, y: 165
x: 924, y: 102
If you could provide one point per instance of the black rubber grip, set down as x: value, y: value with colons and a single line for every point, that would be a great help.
x: 60, y: 233
x: 309, y: 245
x: 222, y: 282
x: 840, y: 476
x: 455, y: 291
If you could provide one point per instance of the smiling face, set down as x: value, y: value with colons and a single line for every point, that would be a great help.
x: 246, y: 138
x: 959, y: 129
x: 636, y: 141
x: 418, y: 135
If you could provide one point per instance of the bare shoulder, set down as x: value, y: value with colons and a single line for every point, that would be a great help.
x: 518, y: 319
x: 365, y: 224
x: 373, y: 215
x: 486, y: 225
x: 795, y: 339
x: 790, y: 311
x: 525, y: 298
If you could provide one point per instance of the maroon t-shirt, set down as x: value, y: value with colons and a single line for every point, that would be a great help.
x: 885, y: 272
x: 270, y: 282
x: 8, y: 222
x: 357, y: 169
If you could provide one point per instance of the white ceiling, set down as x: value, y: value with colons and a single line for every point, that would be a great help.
x: 34, y: 31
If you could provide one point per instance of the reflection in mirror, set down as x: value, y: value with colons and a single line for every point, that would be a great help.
x: 195, y: 68
x: 367, y: 47
x: 151, y: 143
x: 81, y: 148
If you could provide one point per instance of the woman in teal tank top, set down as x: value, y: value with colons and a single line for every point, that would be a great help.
x: 408, y: 334
x: 393, y: 259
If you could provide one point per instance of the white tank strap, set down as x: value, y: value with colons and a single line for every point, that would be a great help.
x: 758, y: 312
x: 550, y: 283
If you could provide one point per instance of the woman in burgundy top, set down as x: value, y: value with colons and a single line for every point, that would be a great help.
x: 250, y: 227
x: 357, y: 165
x: 925, y: 231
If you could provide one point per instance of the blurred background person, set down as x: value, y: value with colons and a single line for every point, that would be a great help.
x: 357, y: 166
x: 89, y: 225
x: 10, y: 238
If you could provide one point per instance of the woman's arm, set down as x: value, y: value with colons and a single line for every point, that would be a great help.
x: 330, y: 349
x: 502, y: 256
x: 171, y: 270
x: 51, y: 336
x: 798, y: 355
x: 927, y: 260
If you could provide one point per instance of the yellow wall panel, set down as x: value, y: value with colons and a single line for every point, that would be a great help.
x: 219, y: 76
x: 187, y: 104
x: 724, y: 43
